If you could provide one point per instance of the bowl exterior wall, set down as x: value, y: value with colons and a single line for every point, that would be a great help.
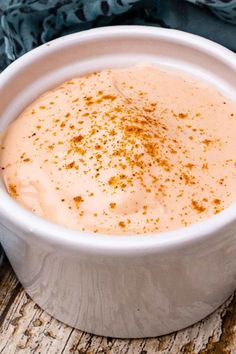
x: 134, y: 294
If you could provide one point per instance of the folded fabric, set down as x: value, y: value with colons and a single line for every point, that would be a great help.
x: 26, y: 24
x: 224, y: 9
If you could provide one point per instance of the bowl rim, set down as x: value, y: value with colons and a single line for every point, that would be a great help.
x: 30, y: 225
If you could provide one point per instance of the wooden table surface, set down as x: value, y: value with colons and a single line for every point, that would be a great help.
x: 25, y: 328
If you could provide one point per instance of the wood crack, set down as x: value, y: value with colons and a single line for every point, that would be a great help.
x: 63, y: 349
x: 227, y: 340
x: 10, y: 302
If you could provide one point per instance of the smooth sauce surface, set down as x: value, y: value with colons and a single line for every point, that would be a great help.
x: 132, y: 151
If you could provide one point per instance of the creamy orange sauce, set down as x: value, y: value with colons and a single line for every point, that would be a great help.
x: 126, y: 151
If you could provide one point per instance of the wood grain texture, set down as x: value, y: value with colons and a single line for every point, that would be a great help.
x: 25, y: 328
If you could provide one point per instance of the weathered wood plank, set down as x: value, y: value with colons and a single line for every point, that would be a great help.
x: 27, y: 329
x: 9, y: 287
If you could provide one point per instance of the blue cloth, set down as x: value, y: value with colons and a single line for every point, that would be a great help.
x: 26, y: 24
x: 224, y: 9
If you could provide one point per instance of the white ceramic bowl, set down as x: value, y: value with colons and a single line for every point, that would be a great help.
x: 119, y: 286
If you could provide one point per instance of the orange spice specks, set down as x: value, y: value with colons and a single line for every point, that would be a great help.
x: 188, y: 179
x: 218, y: 210
x: 112, y: 181
x: 89, y: 101
x: 109, y: 97
x: 78, y: 200
x: 198, y: 207
x: 221, y: 181
x: 121, y: 224
x: 190, y: 166
x: 182, y: 115
x: 217, y: 201
x: 12, y: 189
x: 120, y: 181
x: 205, y: 166
x: 207, y: 142
x: 112, y: 205
x: 117, y: 109
x: 77, y: 139
x: 70, y: 165
x: 79, y: 150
